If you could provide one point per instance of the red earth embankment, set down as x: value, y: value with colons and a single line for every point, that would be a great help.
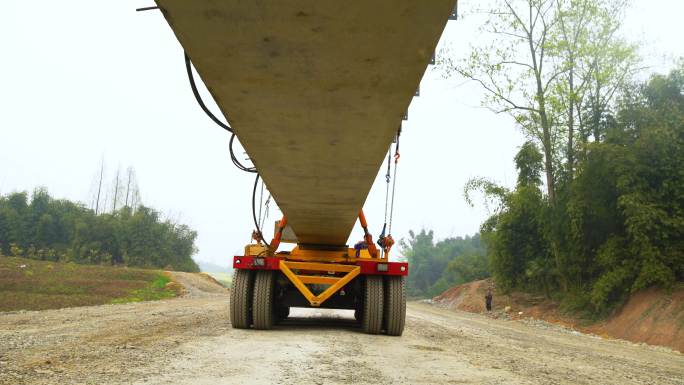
x: 651, y: 316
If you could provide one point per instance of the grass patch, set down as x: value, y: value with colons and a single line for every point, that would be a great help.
x: 577, y: 304
x: 27, y: 284
x: 155, y: 290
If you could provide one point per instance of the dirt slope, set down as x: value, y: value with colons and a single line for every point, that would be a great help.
x: 651, y: 316
x: 189, y: 341
x: 198, y: 284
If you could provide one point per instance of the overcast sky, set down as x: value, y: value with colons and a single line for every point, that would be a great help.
x: 85, y: 80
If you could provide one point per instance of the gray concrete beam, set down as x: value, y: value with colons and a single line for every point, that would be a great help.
x: 315, y: 91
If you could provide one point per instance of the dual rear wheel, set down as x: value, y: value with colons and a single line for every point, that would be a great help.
x: 384, y: 305
x: 251, y: 300
x: 383, y: 302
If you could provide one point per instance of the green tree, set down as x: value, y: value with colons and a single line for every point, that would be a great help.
x: 546, y: 62
x: 516, y: 71
x: 618, y: 226
x: 647, y: 144
x: 436, y: 266
x: 516, y: 238
x: 52, y: 229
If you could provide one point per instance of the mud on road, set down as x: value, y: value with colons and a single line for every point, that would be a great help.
x: 189, y: 341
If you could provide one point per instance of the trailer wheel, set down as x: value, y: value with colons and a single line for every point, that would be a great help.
x: 241, y: 299
x: 395, y: 305
x: 372, y: 305
x: 262, y: 303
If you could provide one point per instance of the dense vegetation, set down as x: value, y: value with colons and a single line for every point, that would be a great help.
x: 617, y: 224
x: 59, y: 230
x: 434, y: 267
x: 598, y: 209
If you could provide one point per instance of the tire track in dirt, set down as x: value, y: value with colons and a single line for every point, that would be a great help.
x: 190, y: 341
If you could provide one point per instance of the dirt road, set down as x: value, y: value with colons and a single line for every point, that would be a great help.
x: 189, y: 341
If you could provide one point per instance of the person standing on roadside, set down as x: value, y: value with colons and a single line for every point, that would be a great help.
x: 488, y: 299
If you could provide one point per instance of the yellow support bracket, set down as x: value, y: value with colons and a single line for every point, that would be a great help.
x: 320, y: 266
x: 336, y: 283
x: 315, y: 279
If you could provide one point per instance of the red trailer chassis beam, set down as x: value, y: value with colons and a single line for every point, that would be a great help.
x: 368, y: 267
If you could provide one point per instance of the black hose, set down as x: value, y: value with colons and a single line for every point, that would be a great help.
x: 256, y: 223
x: 235, y: 160
x: 195, y: 92
x: 188, y: 67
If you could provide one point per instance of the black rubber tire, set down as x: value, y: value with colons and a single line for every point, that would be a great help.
x: 373, y: 305
x: 262, y: 302
x: 241, y: 299
x: 395, y: 305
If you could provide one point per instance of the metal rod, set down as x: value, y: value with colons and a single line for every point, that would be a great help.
x: 145, y: 9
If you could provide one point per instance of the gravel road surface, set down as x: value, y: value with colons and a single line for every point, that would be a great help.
x: 190, y: 341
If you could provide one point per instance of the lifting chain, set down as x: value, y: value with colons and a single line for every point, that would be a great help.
x: 386, y: 241
x: 394, y: 180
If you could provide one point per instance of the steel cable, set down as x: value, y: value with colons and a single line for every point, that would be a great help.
x: 256, y: 182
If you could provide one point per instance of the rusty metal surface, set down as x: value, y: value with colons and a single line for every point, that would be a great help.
x: 315, y: 91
